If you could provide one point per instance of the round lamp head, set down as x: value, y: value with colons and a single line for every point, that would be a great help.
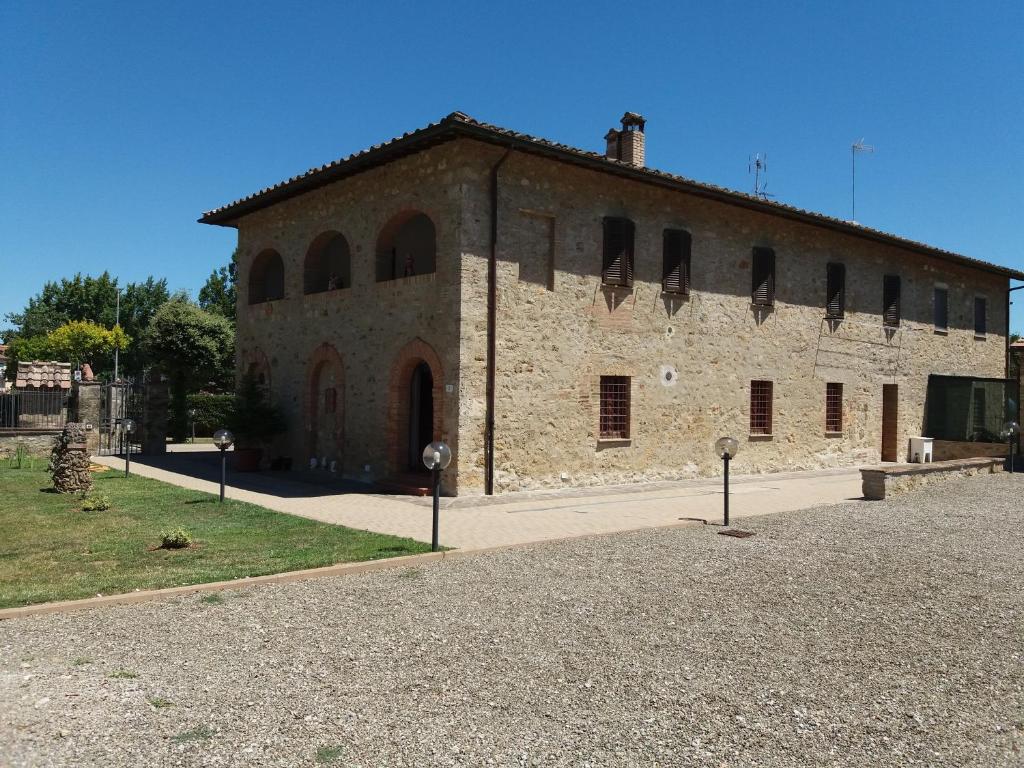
x: 192, y: 413
x: 128, y: 425
x: 727, y: 446
x: 223, y: 439
x: 437, y: 455
x: 1010, y: 430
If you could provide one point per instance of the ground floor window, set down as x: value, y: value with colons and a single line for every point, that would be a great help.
x: 615, y: 407
x: 833, y: 407
x: 760, y: 407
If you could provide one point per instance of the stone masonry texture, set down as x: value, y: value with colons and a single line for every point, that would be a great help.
x: 554, y: 345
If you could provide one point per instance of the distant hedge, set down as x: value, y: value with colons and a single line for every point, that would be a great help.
x: 212, y: 412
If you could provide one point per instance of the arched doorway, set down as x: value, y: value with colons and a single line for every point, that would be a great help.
x: 325, y: 410
x: 421, y: 415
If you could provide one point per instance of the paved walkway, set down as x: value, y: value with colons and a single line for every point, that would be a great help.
x: 476, y: 523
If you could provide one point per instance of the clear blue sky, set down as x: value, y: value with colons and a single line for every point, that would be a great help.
x: 121, y: 122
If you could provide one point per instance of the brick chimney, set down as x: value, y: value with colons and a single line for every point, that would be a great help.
x: 627, y: 144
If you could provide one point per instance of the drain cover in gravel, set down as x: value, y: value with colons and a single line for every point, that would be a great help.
x: 737, y: 534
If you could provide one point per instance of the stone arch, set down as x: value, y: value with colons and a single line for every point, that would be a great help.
x: 406, y: 246
x: 325, y: 405
x: 414, y: 354
x: 266, y: 277
x: 328, y: 265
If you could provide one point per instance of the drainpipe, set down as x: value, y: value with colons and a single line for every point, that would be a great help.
x: 492, y: 312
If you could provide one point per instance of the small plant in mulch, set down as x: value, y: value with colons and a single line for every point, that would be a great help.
x: 157, y: 703
x: 95, y: 502
x: 179, y: 538
x: 196, y: 734
x: 329, y: 754
x: 213, y: 599
x: 123, y: 674
x: 81, y: 661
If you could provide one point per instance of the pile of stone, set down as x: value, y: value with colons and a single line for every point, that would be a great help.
x: 69, y: 461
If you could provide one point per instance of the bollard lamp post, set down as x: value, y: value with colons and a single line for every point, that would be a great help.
x: 192, y: 412
x: 1009, y: 433
x: 436, y: 457
x: 223, y: 439
x: 726, y: 448
x: 128, y: 427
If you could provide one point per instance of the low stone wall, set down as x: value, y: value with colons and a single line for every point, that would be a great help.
x: 882, y: 481
x: 37, y: 443
x: 945, y: 450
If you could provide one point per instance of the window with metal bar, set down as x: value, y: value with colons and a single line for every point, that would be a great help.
x: 762, y: 292
x: 617, y: 261
x: 980, y: 316
x: 835, y: 291
x: 760, y: 407
x: 675, y: 261
x: 833, y: 407
x: 615, y: 407
x: 941, y: 309
x: 891, y: 301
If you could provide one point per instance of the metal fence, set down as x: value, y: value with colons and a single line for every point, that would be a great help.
x: 119, y: 402
x: 27, y: 409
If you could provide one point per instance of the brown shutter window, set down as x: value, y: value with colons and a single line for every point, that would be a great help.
x: 615, y: 407
x: 675, y: 261
x: 763, y: 286
x: 835, y: 290
x: 617, y: 262
x: 760, y: 407
x: 833, y: 407
x: 891, y: 301
x: 980, y: 316
x: 941, y: 309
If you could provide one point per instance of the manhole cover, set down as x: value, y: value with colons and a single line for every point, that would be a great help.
x: 737, y: 534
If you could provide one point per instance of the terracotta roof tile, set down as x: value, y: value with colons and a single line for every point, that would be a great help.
x: 40, y: 374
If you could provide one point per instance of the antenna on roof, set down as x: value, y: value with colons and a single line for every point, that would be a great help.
x: 758, y: 165
x: 857, y: 146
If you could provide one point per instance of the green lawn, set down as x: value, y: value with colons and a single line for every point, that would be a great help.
x: 50, y: 550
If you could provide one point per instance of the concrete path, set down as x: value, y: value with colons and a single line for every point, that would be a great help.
x: 477, y: 523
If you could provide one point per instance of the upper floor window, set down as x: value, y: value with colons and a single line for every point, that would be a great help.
x: 940, y: 308
x: 891, y: 301
x: 407, y: 246
x: 980, y: 316
x: 835, y: 290
x: 675, y: 261
x: 266, y: 277
x: 328, y: 264
x: 762, y: 291
x: 617, y: 260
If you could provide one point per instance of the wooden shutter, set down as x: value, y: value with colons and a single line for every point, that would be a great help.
x: 835, y: 290
x: 763, y: 288
x: 891, y: 301
x: 941, y: 309
x: 675, y: 261
x: 617, y: 263
x: 980, y: 320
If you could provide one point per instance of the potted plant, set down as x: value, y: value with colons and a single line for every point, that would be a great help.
x: 255, y: 422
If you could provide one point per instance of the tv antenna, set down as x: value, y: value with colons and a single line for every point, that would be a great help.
x: 758, y: 165
x: 856, y: 147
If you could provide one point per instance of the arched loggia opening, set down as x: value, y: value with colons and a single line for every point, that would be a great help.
x: 328, y: 265
x: 266, y: 277
x: 406, y: 246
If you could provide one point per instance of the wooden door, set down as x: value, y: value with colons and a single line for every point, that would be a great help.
x: 890, y: 422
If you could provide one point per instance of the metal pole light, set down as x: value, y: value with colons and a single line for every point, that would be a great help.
x: 1009, y: 433
x: 223, y: 439
x: 436, y: 457
x: 192, y: 417
x: 726, y: 447
x: 128, y: 426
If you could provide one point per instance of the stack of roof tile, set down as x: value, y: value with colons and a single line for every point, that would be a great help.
x: 37, y: 374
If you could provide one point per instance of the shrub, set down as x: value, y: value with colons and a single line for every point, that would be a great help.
x: 95, y: 502
x: 213, y: 412
x: 176, y: 539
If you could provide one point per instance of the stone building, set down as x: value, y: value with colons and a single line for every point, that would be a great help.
x: 564, y: 317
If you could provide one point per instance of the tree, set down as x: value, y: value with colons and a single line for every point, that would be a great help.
x: 194, y: 348
x: 93, y: 299
x: 219, y: 293
x: 76, y: 342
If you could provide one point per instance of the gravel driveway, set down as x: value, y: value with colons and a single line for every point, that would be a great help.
x: 863, y: 634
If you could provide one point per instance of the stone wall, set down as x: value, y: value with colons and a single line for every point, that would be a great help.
x: 36, y: 444
x: 553, y: 345
x: 945, y: 450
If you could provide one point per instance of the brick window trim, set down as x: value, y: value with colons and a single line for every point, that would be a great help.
x: 761, y: 393
x: 614, y: 409
x: 833, y: 408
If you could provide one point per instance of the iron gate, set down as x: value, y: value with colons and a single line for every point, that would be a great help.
x: 119, y: 402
